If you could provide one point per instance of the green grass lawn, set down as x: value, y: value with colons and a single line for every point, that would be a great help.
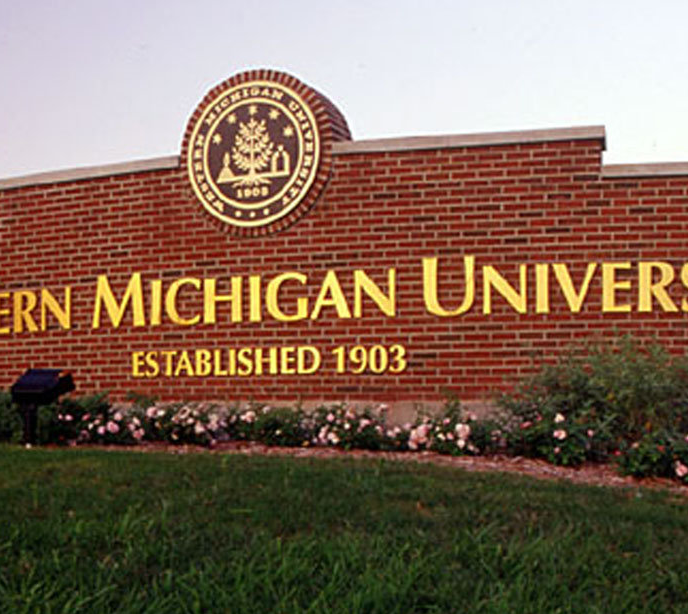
x: 93, y: 531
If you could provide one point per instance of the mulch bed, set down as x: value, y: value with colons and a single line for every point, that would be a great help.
x: 590, y: 474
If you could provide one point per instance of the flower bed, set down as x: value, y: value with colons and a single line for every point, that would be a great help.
x: 619, y: 401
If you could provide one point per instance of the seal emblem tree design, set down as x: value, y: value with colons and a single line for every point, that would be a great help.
x: 255, y: 151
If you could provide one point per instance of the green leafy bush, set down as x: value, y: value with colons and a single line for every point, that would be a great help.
x: 65, y: 421
x: 10, y: 419
x: 343, y: 426
x: 600, y: 400
x: 658, y: 453
x: 281, y: 427
x: 650, y: 455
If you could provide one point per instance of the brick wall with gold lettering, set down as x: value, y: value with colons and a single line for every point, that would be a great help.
x: 490, y: 251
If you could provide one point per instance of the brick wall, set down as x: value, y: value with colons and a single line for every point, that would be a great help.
x: 545, y: 198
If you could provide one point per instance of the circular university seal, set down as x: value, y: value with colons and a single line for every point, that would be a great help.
x: 258, y: 150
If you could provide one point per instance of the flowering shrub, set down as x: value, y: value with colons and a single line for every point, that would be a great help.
x: 180, y: 423
x: 69, y: 420
x: 487, y: 435
x: 647, y: 456
x: 616, y: 388
x: 115, y: 426
x: 451, y: 435
x: 339, y: 425
x: 456, y: 433
x: 615, y: 398
x: 554, y: 436
x: 558, y: 439
x: 657, y: 453
x: 95, y: 421
x: 280, y: 427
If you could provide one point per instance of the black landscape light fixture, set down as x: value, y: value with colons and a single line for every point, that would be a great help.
x: 38, y: 387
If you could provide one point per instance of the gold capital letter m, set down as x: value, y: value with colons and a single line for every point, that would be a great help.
x: 116, y: 311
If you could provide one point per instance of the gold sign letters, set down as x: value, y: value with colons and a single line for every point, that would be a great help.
x: 608, y: 287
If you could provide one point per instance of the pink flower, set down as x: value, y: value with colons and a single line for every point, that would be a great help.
x: 463, y: 431
x: 118, y: 416
x: 422, y: 432
x: 85, y: 417
x: 112, y: 427
x: 332, y: 438
x: 330, y: 417
x: 101, y: 430
x: 526, y: 425
x: 418, y: 436
x: 590, y: 432
x: 681, y: 469
x: 560, y: 434
x: 138, y: 434
x: 557, y: 450
x: 322, y: 435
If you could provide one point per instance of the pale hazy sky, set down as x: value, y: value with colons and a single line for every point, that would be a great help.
x: 89, y: 82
